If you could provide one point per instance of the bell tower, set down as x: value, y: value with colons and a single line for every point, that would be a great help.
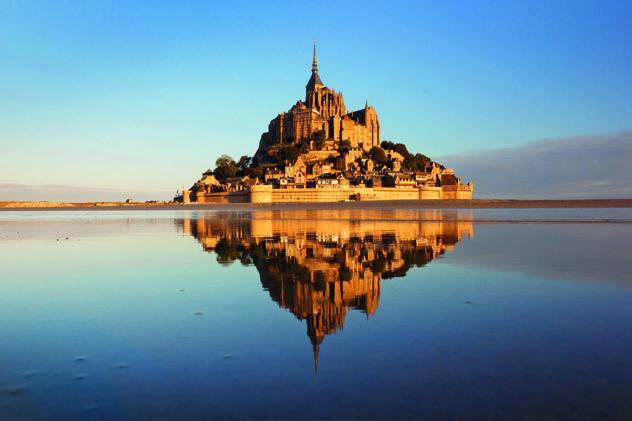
x: 314, y: 82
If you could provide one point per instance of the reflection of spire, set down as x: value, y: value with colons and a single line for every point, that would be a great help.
x: 316, y: 337
x: 315, y: 349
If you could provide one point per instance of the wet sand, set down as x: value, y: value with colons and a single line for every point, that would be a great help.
x: 378, y: 205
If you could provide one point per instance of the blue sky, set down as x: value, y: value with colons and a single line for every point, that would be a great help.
x: 143, y: 96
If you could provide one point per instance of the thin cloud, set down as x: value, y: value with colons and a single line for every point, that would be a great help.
x: 595, y: 166
x: 67, y: 193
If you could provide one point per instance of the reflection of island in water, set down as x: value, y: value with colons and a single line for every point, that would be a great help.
x: 319, y: 265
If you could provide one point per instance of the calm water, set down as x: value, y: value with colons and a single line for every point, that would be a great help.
x: 321, y: 314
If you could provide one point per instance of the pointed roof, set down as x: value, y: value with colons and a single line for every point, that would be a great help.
x: 314, y: 79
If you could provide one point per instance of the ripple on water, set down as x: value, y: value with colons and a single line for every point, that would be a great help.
x: 90, y: 409
x: 14, y: 390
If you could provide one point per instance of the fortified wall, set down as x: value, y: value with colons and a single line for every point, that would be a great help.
x: 264, y: 193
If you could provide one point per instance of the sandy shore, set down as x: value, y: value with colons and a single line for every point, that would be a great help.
x: 400, y: 204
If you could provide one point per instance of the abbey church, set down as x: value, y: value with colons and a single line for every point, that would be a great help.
x: 318, y: 151
x: 323, y: 109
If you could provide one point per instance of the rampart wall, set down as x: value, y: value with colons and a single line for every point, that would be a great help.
x: 266, y: 194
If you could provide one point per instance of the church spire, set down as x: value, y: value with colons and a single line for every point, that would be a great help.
x: 314, y: 80
x: 314, y: 61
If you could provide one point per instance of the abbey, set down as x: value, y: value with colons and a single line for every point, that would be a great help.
x: 318, y: 151
x: 323, y: 110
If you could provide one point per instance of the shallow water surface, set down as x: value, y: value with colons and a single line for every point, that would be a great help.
x: 316, y: 314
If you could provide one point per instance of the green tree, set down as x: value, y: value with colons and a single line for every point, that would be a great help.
x: 416, y: 162
x: 282, y: 155
x: 242, y: 165
x: 244, y: 162
x: 400, y: 148
x: 225, y: 167
x: 287, y: 154
x: 387, y: 145
x: 255, y: 172
x: 378, y: 155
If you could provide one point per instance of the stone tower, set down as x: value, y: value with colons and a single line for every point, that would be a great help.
x: 323, y: 110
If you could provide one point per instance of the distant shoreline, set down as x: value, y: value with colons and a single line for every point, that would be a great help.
x: 379, y: 205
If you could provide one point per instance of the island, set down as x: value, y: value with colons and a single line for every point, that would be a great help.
x: 320, y: 152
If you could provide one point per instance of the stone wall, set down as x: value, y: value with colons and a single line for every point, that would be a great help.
x: 266, y: 194
x: 457, y: 192
x: 430, y: 193
x: 224, y: 197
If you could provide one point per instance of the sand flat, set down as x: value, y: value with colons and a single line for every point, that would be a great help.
x: 397, y: 204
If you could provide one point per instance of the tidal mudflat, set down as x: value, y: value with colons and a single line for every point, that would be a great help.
x: 356, y: 313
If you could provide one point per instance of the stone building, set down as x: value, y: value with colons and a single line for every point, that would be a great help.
x: 322, y: 110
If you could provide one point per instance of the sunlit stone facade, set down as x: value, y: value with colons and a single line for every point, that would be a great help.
x: 323, y: 109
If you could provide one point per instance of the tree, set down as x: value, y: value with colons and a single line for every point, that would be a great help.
x: 282, y: 155
x: 344, y: 146
x: 387, y: 145
x: 224, y: 160
x: 303, y: 146
x: 244, y: 162
x: 378, y: 155
x: 287, y: 154
x: 319, y: 144
x: 400, y: 148
x: 225, y: 167
x: 255, y: 172
x: 416, y: 162
x: 272, y: 152
x: 319, y: 135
